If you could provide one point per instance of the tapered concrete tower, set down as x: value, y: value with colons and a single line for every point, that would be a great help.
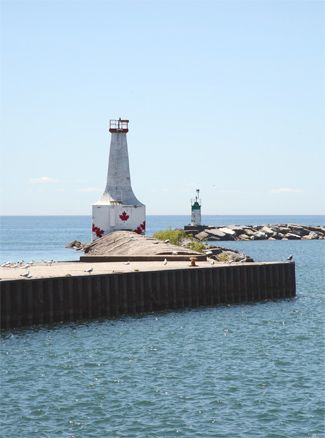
x: 196, y: 209
x: 118, y: 208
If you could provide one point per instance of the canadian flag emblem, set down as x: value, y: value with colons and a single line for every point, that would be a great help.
x: 124, y: 216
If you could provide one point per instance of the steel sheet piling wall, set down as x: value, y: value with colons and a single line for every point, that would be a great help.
x: 42, y: 301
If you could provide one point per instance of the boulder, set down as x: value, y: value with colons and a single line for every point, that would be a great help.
x: 268, y: 231
x: 228, y: 255
x: 233, y: 256
x: 243, y: 237
x: 315, y: 228
x: 227, y: 230
x: 215, y: 232
x: 284, y: 230
x: 299, y: 230
x: 202, y: 235
x: 75, y: 244
x: 215, y: 250
x: 249, y: 231
x: 311, y: 236
x: 237, y: 229
x: 291, y: 236
x: 259, y: 235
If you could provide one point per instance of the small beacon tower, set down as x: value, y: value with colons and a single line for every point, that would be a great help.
x: 118, y: 208
x: 196, y: 209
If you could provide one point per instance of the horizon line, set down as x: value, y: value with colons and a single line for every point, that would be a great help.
x: 179, y: 214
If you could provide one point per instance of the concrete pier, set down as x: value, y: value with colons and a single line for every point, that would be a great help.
x: 26, y: 302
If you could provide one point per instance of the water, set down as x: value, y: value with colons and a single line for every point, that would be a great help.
x: 240, y: 371
x: 44, y: 237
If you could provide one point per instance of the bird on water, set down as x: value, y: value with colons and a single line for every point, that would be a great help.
x: 290, y: 257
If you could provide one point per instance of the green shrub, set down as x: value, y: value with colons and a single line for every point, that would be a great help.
x: 179, y: 237
x: 174, y: 236
x: 224, y: 257
x: 196, y: 246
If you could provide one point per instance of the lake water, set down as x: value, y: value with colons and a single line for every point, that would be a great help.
x: 44, y: 237
x: 237, y: 371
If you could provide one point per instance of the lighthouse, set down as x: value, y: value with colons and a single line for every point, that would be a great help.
x: 118, y: 208
x: 196, y: 209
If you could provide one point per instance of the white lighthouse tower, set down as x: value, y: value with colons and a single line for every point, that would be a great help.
x: 196, y: 209
x: 118, y: 208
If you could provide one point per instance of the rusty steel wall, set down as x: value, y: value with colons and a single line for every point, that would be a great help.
x: 63, y: 299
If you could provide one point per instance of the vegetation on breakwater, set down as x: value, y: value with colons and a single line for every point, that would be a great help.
x: 167, y: 242
x: 179, y: 237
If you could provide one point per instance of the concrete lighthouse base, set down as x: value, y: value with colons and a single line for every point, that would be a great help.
x: 109, y: 217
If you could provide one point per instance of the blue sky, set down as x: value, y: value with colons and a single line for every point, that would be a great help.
x: 227, y: 96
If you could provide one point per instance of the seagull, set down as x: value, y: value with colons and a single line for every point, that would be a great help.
x: 167, y: 241
x: 89, y: 270
x: 165, y: 262
x: 290, y: 257
x: 25, y: 274
x: 211, y: 262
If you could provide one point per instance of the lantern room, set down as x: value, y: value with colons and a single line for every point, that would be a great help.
x: 118, y: 126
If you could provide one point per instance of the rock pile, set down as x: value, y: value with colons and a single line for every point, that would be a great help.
x: 227, y: 255
x: 258, y: 232
x: 128, y: 243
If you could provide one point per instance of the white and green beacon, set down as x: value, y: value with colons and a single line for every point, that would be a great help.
x: 196, y: 209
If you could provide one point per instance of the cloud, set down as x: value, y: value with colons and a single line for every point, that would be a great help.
x: 286, y: 190
x: 89, y: 189
x: 43, y: 180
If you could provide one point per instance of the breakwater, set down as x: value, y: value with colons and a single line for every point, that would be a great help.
x: 63, y: 299
x: 256, y: 232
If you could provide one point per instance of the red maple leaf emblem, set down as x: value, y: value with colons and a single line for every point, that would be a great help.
x: 140, y: 229
x: 124, y: 216
x: 97, y: 231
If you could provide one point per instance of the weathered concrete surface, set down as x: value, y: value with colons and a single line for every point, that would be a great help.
x: 127, y: 243
x: 66, y: 269
x: 128, y: 246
